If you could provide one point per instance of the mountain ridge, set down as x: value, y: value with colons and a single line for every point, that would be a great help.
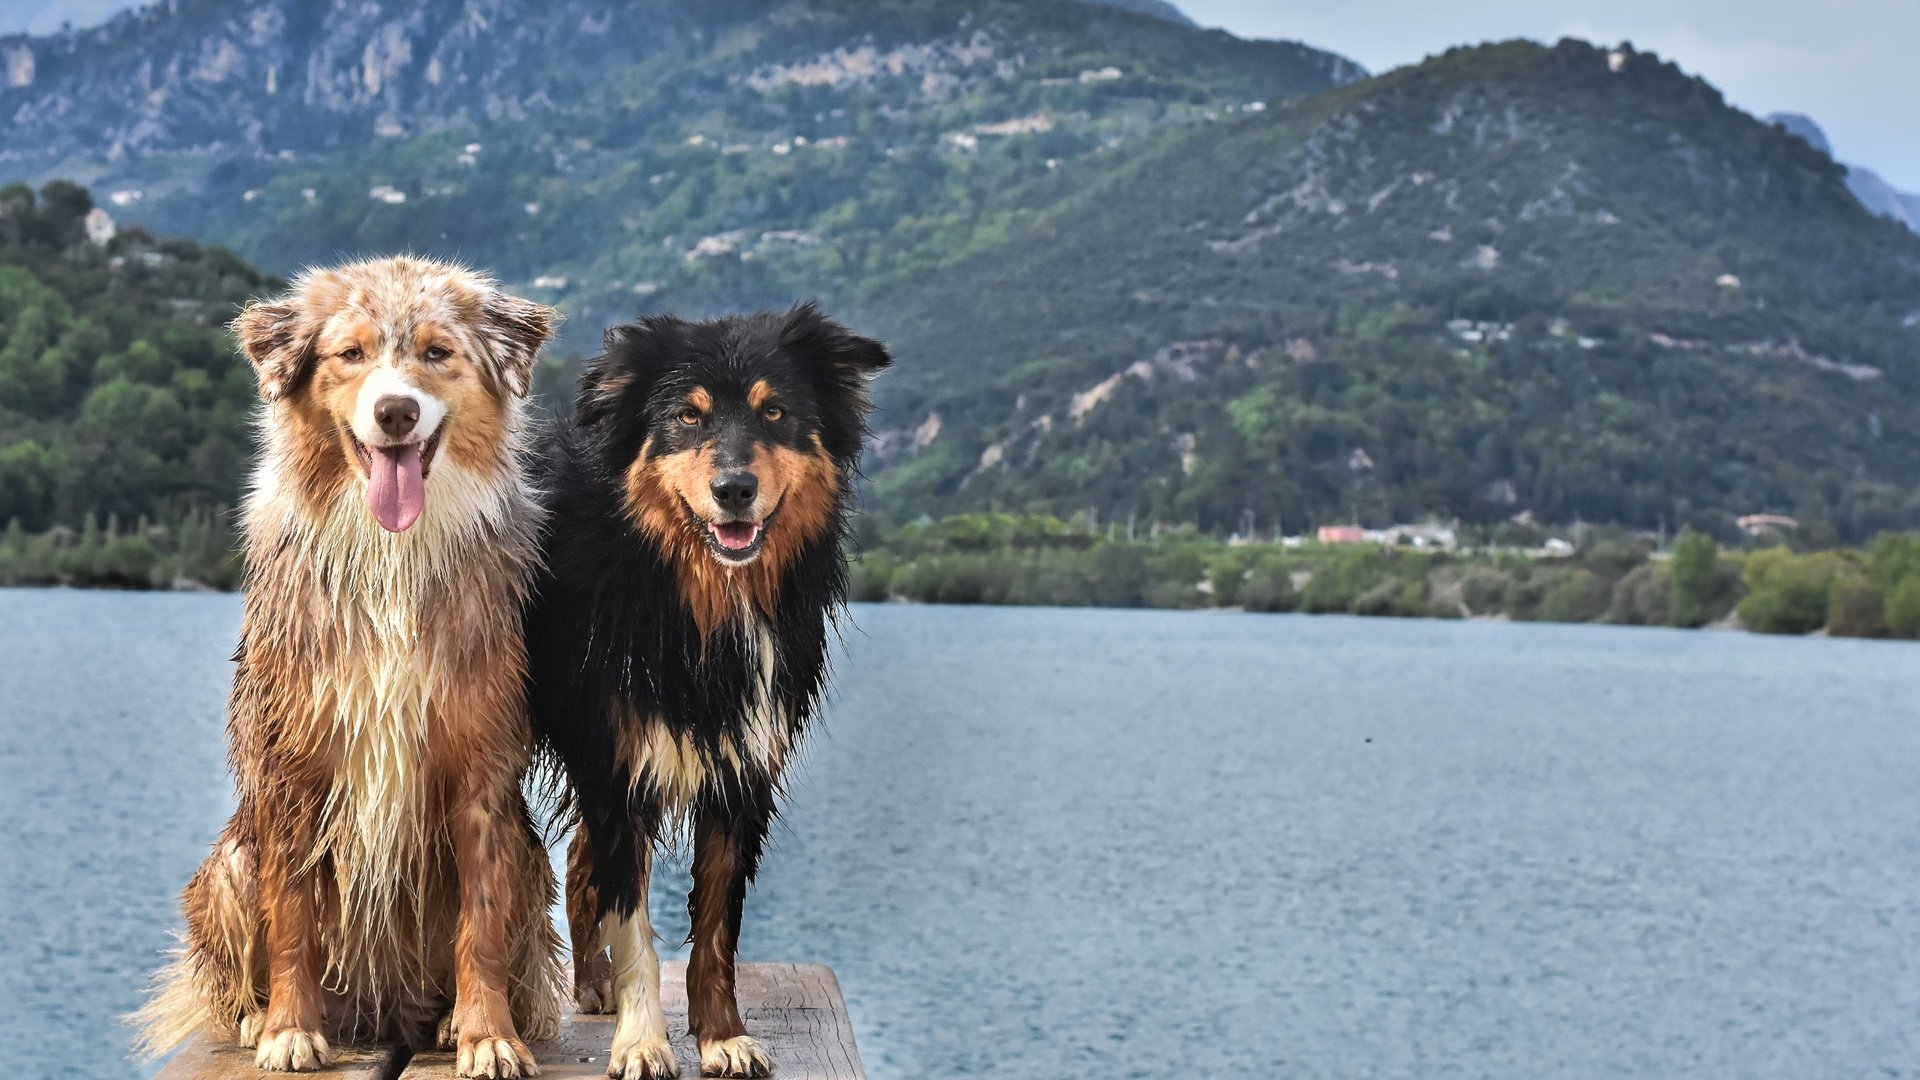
x: 1867, y: 186
x: 840, y: 143
x: 1135, y: 270
x: 1388, y: 301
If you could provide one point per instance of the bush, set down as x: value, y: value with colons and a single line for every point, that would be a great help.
x: 1581, y: 596
x: 1903, y: 608
x: 1692, y: 581
x: 1411, y: 601
x: 1787, y: 593
x: 1377, y: 600
x: 1228, y: 575
x: 1484, y: 590
x: 1643, y: 597
x: 1857, y: 608
x: 1269, y: 586
x: 1344, y: 575
x: 1176, y: 595
x: 872, y: 578
x: 1895, y: 558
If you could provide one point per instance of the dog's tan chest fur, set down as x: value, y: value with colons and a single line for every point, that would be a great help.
x: 678, y: 771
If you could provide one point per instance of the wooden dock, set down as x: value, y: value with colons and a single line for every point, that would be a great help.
x: 795, y: 1010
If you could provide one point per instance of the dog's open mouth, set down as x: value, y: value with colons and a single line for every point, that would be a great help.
x: 736, y: 541
x: 397, y: 480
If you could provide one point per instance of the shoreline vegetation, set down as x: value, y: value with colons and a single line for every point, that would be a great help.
x: 1593, y: 574
x: 1590, y: 574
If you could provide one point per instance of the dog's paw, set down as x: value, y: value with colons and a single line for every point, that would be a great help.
x: 494, y: 1059
x: 740, y: 1056
x: 594, y: 997
x: 645, y: 1059
x: 251, y: 1025
x: 292, y: 1050
x: 446, y: 1037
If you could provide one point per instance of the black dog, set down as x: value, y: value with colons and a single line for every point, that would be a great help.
x: 678, y: 641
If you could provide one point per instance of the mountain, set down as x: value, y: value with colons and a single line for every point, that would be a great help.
x: 1159, y: 9
x: 1874, y: 193
x: 732, y: 153
x: 1131, y: 269
x: 1514, y: 280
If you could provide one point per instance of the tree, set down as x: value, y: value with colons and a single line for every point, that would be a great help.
x: 1692, y: 579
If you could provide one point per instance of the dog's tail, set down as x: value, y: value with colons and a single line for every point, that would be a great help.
x: 176, y: 1009
x: 209, y: 984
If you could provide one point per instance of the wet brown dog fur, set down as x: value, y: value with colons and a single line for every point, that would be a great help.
x: 381, y: 867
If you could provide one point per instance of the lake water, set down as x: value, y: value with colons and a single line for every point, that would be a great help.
x: 1042, y: 843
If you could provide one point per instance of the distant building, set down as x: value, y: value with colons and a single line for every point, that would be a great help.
x: 1342, y: 534
x: 100, y: 228
x: 1421, y: 536
x: 1761, y: 524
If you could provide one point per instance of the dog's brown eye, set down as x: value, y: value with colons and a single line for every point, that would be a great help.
x: 352, y: 354
x: 690, y: 416
x: 437, y: 354
x: 773, y: 412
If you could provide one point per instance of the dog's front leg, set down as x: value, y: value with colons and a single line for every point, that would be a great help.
x: 640, y: 1047
x: 290, y: 1038
x: 728, y: 837
x: 484, y: 820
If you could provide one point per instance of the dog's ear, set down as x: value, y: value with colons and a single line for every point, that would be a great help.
x: 629, y: 357
x: 844, y: 356
x: 278, y: 338
x: 515, y: 331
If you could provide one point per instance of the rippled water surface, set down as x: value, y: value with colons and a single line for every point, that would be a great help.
x: 1040, y: 843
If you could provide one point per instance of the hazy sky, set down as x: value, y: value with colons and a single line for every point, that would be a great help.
x: 1852, y: 65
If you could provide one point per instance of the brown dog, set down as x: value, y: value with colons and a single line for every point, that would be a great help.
x: 382, y: 866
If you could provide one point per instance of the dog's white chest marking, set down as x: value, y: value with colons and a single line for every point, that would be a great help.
x: 678, y: 771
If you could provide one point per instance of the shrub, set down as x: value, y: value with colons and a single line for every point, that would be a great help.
x: 1377, y: 600
x: 1857, y: 608
x: 1903, y: 608
x: 1581, y: 596
x: 1177, y: 595
x: 1787, y: 593
x: 1613, y: 558
x: 1269, y: 586
x: 1895, y: 558
x: 1692, y: 580
x: 1228, y: 574
x: 1643, y: 597
x: 872, y: 577
x: 1342, y: 578
x: 1484, y: 590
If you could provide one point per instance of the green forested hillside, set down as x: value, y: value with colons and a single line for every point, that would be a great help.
x: 1512, y: 280
x: 1133, y: 272
x: 120, y: 390
x: 619, y: 157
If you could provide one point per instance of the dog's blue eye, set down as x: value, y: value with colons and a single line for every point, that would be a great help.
x: 437, y: 354
x: 352, y: 355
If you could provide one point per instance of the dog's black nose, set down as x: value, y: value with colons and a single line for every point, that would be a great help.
x: 736, y: 491
x: 396, y: 415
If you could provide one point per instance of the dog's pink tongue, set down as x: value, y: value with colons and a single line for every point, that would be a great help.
x: 396, y: 490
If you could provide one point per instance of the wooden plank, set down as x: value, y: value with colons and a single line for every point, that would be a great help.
x: 795, y: 1010
x: 208, y: 1058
